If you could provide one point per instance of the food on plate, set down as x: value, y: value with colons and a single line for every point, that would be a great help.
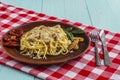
x: 43, y: 41
x: 74, y: 44
x: 12, y: 38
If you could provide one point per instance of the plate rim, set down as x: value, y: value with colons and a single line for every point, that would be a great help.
x: 42, y: 63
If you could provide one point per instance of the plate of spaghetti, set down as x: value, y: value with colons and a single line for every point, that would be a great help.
x: 45, y: 42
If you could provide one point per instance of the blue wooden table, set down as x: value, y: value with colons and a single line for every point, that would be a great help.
x: 99, y: 13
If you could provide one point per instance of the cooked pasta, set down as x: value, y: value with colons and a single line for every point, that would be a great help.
x: 44, y: 40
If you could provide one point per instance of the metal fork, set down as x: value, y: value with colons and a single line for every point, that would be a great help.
x: 95, y: 38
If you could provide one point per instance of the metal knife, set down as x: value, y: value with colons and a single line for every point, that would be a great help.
x: 105, y: 52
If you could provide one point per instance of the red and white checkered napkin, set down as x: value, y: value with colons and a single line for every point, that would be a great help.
x: 80, y: 68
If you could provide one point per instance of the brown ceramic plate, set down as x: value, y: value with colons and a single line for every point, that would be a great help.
x: 14, y: 53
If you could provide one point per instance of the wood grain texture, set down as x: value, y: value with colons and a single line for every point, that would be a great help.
x: 54, y: 8
x: 35, y: 5
x: 13, y: 74
x: 115, y: 7
x: 7, y: 73
x: 99, y: 13
x: 102, y: 15
x: 76, y: 10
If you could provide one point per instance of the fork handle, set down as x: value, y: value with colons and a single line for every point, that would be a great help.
x: 97, y: 58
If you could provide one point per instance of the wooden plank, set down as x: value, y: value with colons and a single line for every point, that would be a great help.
x: 27, y: 4
x: 115, y: 6
x: 38, y: 79
x: 102, y: 15
x: 76, y: 10
x: 54, y: 7
x: 6, y: 73
x: 0, y: 67
x: 11, y: 73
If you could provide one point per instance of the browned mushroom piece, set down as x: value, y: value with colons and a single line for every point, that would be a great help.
x: 74, y: 44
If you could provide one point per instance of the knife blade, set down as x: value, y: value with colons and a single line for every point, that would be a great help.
x: 105, y: 51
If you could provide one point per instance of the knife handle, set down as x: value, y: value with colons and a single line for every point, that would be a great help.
x: 97, y: 58
x: 106, y: 57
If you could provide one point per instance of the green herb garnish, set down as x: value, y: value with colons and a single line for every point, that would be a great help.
x: 70, y: 31
x: 77, y: 31
x: 69, y: 35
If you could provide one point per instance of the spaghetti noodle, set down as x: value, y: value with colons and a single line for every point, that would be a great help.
x: 44, y: 40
